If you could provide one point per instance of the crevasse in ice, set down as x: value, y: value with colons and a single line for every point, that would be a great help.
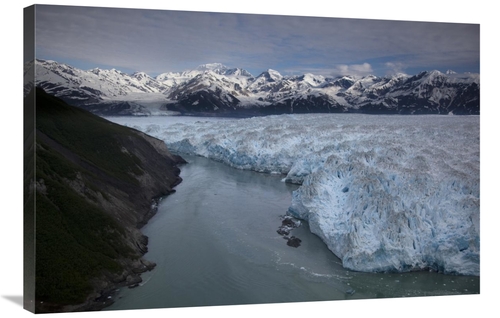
x: 385, y: 193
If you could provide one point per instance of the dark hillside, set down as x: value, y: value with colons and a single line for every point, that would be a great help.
x: 95, y: 184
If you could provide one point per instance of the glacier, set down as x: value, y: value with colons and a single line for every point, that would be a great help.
x: 386, y: 193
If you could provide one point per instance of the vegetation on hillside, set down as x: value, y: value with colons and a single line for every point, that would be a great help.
x: 89, y: 136
x: 83, y: 165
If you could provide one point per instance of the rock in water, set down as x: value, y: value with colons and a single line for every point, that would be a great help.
x: 293, y: 241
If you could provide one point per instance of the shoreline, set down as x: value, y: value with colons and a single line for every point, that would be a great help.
x: 130, y: 277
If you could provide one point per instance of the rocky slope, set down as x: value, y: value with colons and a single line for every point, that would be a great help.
x: 95, y: 184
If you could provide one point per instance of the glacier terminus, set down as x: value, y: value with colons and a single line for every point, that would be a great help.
x: 386, y: 193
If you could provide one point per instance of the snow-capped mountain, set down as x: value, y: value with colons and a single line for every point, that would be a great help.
x: 93, y: 85
x: 217, y: 89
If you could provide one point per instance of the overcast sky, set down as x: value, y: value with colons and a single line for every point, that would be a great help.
x: 157, y: 41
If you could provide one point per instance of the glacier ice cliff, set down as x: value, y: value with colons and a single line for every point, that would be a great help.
x: 385, y: 193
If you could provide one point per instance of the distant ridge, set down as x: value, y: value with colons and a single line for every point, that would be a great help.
x: 215, y: 89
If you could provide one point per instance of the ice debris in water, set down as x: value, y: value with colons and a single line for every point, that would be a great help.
x: 385, y: 193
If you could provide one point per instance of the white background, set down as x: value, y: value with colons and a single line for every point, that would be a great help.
x: 11, y: 171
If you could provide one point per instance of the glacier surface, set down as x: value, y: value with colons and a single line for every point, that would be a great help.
x: 385, y: 193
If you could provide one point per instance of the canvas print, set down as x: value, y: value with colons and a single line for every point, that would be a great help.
x: 184, y: 159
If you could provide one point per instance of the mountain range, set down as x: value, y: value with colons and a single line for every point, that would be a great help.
x: 215, y: 89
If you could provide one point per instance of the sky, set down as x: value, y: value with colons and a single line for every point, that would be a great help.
x: 158, y: 41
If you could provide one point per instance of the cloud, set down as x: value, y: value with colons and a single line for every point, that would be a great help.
x: 163, y: 40
x: 354, y: 69
x: 394, y: 67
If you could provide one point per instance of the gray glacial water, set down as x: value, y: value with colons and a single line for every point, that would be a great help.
x: 215, y: 243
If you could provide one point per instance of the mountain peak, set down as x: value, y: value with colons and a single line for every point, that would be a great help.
x: 271, y: 75
x: 238, y: 72
x: 214, y: 67
x: 273, y: 72
x: 140, y: 75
